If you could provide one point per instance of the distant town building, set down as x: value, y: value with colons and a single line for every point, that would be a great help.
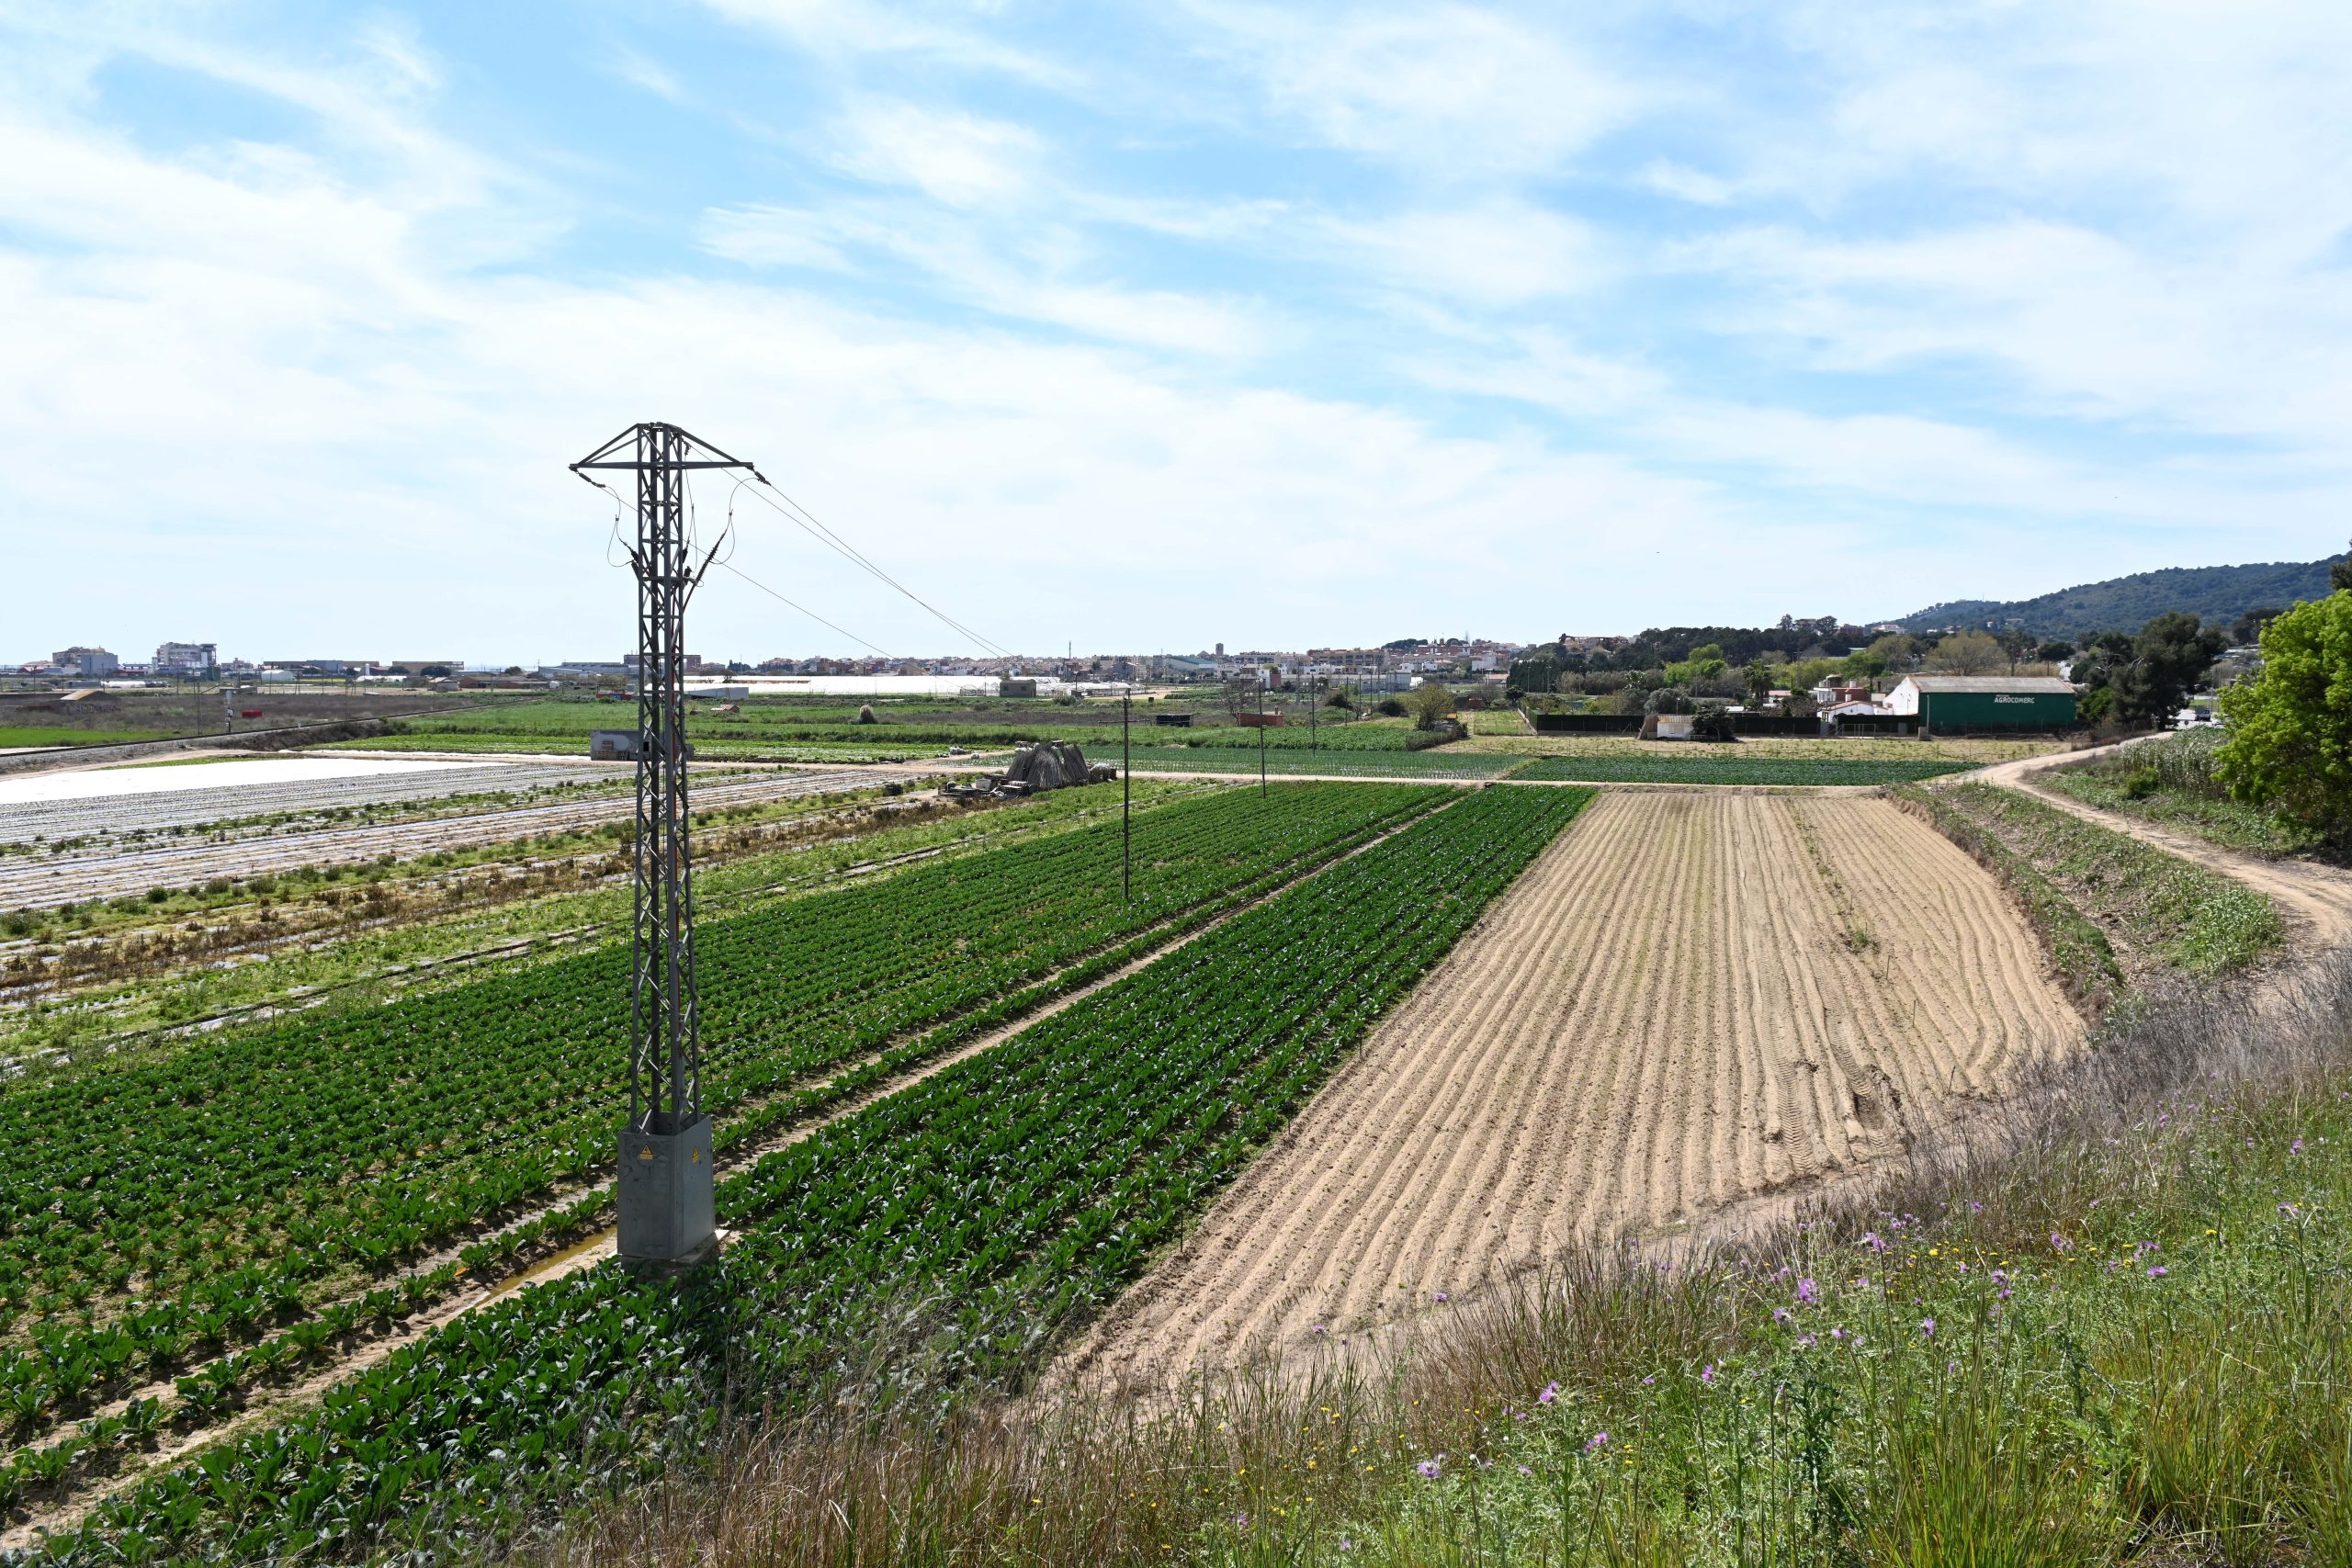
x: 1984, y: 702
x: 185, y: 658
x: 324, y: 666
x: 88, y: 661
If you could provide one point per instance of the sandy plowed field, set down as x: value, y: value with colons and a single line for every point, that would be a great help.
x: 1691, y: 997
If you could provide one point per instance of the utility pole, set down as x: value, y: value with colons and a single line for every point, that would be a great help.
x: 665, y: 1198
x: 1264, y: 685
x: 1126, y: 792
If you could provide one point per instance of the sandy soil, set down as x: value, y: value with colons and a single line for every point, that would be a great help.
x: 1691, y: 998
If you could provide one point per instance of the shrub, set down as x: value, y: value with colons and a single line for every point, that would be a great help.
x: 2291, y: 727
x: 1668, y: 699
x: 1712, y: 721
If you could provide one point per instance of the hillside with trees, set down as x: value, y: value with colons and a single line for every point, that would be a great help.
x: 2215, y: 595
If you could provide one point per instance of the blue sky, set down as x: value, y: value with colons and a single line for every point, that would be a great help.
x: 1144, y: 327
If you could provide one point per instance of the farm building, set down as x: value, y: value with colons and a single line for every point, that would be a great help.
x: 1984, y: 702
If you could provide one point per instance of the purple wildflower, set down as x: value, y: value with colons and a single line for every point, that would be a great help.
x: 2158, y: 1272
x: 1805, y: 1342
x: 1430, y: 1468
x: 1441, y: 1295
x: 1808, y: 1292
x: 2060, y: 1244
x: 1597, y: 1442
x: 1707, y: 1374
x: 1550, y: 1391
x: 1874, y: 1241
x: 1781, y: 1315
x: 2291, y: 1211
x: 1928, y: 1327
x: 2296, y: 1147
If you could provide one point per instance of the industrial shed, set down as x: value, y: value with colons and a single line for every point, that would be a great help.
x: 1984, y: 702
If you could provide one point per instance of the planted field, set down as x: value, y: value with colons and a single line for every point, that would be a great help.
x: 1805, y: 747
x: 162, y: 1209
x: 1688, y: 999
x: 1013, y: 1191
x: 1733, y: 767
x: 786, y: 728
x: 1359, y: 763
x: 1295, y: 735
x: 731, y: 748
x: 15, y: 735
x: 96, y: 806
x: 798, y: 730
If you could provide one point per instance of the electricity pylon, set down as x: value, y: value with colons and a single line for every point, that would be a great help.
x: 665, y: 1194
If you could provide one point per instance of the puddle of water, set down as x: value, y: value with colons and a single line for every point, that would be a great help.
x: 554, y: 1264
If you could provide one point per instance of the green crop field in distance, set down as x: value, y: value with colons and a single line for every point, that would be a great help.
x: 1440, y: 763
x: 1734, y: 769
x: 51, y: 734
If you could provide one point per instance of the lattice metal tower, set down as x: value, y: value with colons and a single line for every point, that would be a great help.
x: 664, y: 1196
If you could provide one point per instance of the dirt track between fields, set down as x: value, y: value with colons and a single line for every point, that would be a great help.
x: 1691, y: 998
x: 2315, y: 900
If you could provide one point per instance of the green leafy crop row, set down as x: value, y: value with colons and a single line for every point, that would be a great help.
x: 1015, y: 1191
x: 149, y: 1215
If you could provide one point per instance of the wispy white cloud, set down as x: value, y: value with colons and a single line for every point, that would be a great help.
x: 950, y: 34
x: 1450, y: 90
x: 640, y: 71
x: 1670, y: 179
x: 1496, y: 253
x: 1040, y: 281
x: 961, y: 159
x: 1983, y: 298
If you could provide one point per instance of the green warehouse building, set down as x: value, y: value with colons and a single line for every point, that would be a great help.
x: 1984, y: 702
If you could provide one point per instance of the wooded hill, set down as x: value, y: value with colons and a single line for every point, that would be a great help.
x: 2125, y: 603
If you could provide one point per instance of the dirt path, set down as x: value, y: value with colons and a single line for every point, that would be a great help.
x: 1691, y: 998
x: 2315, y: 900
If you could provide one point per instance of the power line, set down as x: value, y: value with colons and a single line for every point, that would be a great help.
x: 802, y: 608
x: 806, y: 521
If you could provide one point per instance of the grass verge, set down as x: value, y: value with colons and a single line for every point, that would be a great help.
x: 2170, y: 781
x: 2160, y: 912
x: 2079, y: 951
